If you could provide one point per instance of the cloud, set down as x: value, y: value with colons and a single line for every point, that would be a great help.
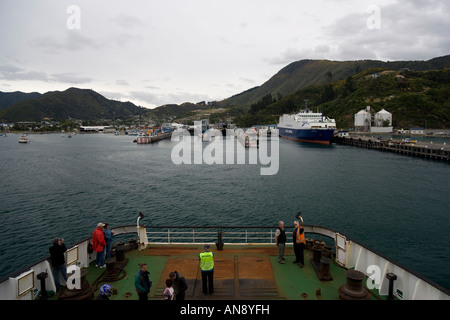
x: 13, y: 73
x: 295, y: 54
x: 186, y: 48
x: 151, y: 99
x: 71, y: 40
x: 122, y: 82
x: 69, y: 78
x: 127, y: 21
x: 408, y: 30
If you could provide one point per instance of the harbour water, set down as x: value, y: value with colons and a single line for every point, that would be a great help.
x: 60, y: 187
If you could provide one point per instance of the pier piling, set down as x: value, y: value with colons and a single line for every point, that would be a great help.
x: 423, y: 150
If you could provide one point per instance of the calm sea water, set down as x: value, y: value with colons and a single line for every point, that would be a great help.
x: 60, y: 187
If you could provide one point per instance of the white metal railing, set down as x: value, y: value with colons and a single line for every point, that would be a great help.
x: 194, y: 235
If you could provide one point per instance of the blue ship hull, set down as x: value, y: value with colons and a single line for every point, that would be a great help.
x: 321, y: 136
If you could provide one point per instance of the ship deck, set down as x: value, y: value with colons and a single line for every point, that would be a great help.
x: 241, y: 272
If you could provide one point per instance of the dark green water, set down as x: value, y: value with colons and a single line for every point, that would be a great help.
x: 60, y: 187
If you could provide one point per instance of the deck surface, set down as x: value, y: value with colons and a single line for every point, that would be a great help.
x: 240, y: 272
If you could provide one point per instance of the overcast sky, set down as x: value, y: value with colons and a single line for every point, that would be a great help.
x: 157, y: 52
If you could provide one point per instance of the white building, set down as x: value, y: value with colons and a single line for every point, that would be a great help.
x: 363, y: 120
x: 364, y: 123
x: 416, y: 130
x: 381, y: 117
x: 382, y: 122
x: 103, y: 129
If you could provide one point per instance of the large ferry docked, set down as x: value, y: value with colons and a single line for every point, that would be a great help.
x: 245, y: 267
x: 307, y: 126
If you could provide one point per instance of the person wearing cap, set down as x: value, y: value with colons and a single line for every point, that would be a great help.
x: 98, y: 244
x: 206, y: 258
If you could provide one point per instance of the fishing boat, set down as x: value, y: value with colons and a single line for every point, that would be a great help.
x: 245, y: 267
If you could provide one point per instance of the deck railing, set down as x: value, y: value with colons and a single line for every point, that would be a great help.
x: 409, y: 285
x: 199, y: 235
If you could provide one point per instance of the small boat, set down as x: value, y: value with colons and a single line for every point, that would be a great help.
x: 24, y: 138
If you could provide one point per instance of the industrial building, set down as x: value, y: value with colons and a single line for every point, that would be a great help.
x: 381, y: 122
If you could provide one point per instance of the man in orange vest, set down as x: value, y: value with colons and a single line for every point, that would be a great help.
x: 298, y: 239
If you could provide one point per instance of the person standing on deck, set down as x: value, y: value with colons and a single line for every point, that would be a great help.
x: 280, y: 241
x: 298, y: 239
x: 179, y: 284
x: 108, y: 239
x: 207, y: 266
x: 169, y: 292
x: 98, y: 244
x: 142, y: 282
x: 57, y: 260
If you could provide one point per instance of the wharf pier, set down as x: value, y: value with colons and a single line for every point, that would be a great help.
x: 248, y: 138
x: 151, y: 139
x: 434, y: 151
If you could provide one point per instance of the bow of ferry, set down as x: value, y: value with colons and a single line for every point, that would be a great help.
x: 245, y: 267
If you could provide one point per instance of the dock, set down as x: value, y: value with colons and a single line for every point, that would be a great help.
x: 247, y: 139
x: 151, y: 139
x: 430, y: 150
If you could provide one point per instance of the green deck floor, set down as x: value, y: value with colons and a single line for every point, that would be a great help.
x: 241, y: 272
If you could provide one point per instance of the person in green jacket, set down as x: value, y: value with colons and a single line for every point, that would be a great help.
x: 142, y: 282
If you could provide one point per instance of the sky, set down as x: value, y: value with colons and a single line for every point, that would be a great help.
x: 161, y: 52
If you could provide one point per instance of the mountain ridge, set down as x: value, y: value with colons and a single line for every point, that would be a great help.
x: 84, y: 104
x: 303, y: 73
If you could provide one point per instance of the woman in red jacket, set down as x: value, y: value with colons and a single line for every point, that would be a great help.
x: 98, y: 243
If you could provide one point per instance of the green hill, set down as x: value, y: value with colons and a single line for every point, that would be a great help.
x: 305, y: 73
x: 9, y: 98
x: 75, y: 103
x: 415, y: 98
x: 169, y: 112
